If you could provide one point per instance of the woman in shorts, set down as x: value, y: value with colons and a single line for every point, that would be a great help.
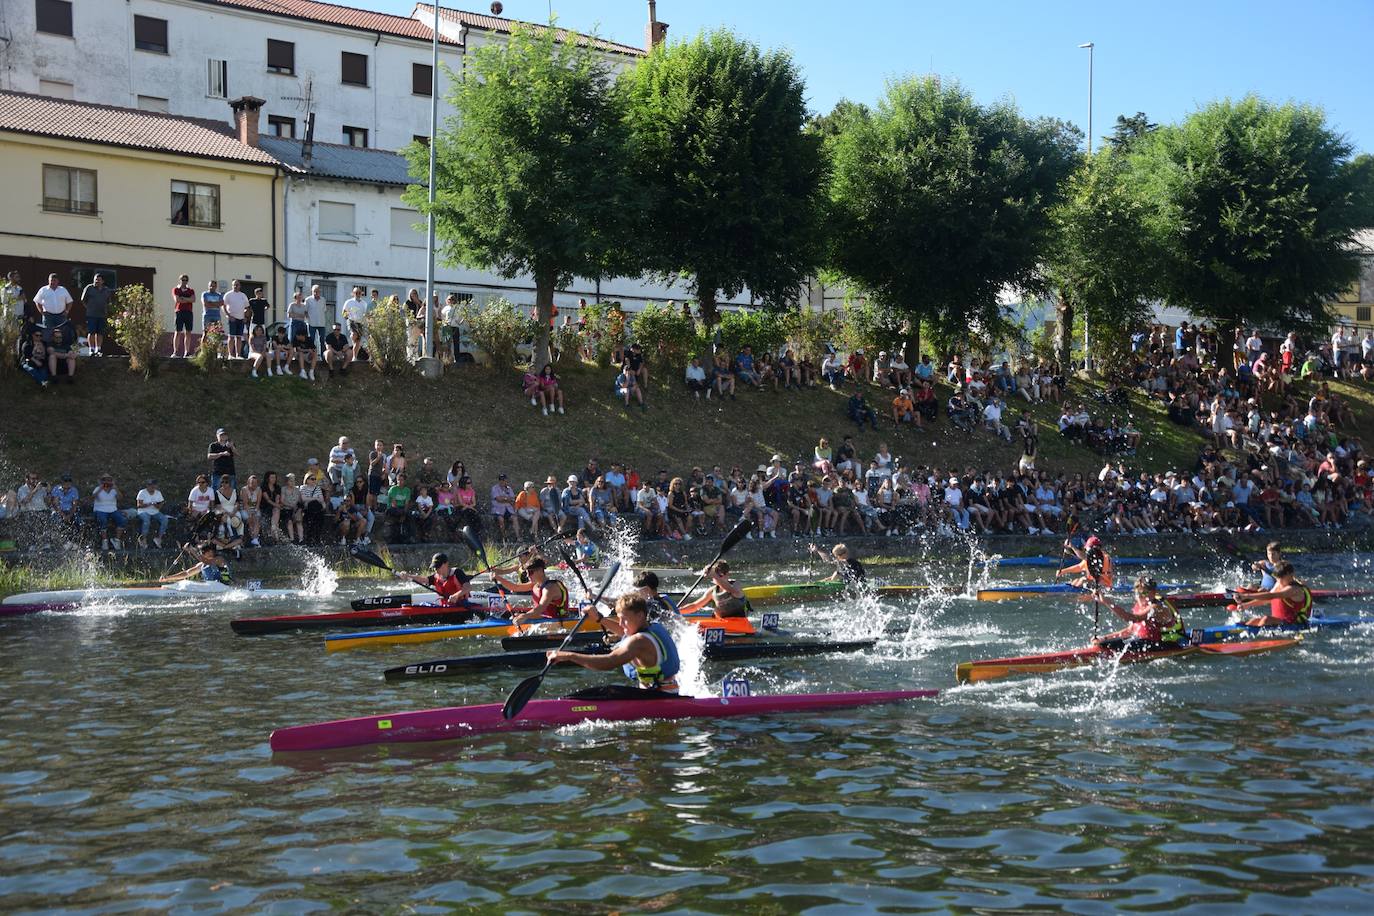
x: 250, y: 505
x: 293, y: 511
x: 549, y: 390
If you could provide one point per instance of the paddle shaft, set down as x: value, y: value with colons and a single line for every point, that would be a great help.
x: 736, y: 535
x: 371, y: 559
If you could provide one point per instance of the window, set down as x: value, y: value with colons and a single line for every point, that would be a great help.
x: 1350, y: 295
x: 54, y: 16
x: 421, y: 79
x: 336, y: 221
x: 420, y: 139
x: 281, y: 56
x: 354, y: 69
x: 67, y: 190
x: 195, y: 204
x: 153, y: 103
x: 1362, y: 313
x: 150, y: 34
x: 218, y: 86
x: 355, y: 136
x: 281, y: 126
x: 404, y: 233
x: 56, y: 89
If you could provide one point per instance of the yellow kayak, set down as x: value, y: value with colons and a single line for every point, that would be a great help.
x: 405, y: 636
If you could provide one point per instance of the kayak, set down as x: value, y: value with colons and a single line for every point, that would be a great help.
x: 169, y: 591
x: 731, y: 627
x: 1031, y: 590
x: 1240, y: 631
x: 1054, y: 562
x: 737, y: 650
x: 495, y: 626
x: 480, y: 605
x: 992, y: 668
x: 803, y: 591
x: 37, y: 607
x: 464, y: 721
x: 1221, y: 599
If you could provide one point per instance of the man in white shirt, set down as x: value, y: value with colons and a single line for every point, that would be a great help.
x: 149, y: 507
x: 338, y: 453
x: 954, y: 502
x: 198, y: 501
x: 352, y: 314
x: 54, y: 302
x: 236, y: 310
x: 992, y: 419
x: 1254, y: 346
x: 32, y: 494
x: 315, y: 308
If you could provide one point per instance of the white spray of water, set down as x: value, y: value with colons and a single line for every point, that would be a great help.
x: 318, y: 578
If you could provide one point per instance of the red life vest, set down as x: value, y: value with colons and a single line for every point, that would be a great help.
x: 1155, y: 630
x: 561, y: 608
x: 1292, y: 612
x: 448, y: 586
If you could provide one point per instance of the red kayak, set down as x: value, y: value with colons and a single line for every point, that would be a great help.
x: 989, y: 669
x: 429, y: 613
x: 464, y: 721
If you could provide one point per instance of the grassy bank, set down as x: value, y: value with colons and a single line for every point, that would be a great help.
x: 113, y: 420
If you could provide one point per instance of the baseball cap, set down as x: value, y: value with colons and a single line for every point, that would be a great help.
x: 221, y: 431
x: 439, y: 559
x: 500, y: 476
x: 313, y: 461
x: 529, y: 483
x: 572, y: 478
x: 67, y: 476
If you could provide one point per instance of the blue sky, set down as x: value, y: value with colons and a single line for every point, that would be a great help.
x: 1164, y: 58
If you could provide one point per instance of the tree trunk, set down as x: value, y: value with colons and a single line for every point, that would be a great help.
x: 1063, y: 333
x: 706, y: 308
x: 543, y: 320
x: 912, y: 348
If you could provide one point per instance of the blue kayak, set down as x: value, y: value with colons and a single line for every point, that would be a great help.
x: 1053, y: 562
x: 1239, y: 631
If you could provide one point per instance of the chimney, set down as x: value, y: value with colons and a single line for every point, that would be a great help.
x: 655, y: 31
x: 246, y: 111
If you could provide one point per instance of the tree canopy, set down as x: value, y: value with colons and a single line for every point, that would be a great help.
x: 1259, y: 205
x: 734, y: 181
x: 939, y: 204
x: 530, y: 168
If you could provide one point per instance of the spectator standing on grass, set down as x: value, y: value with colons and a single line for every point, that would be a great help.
x: 96, y: 298
x: 297, y: 316
x: 316, y: 310
x: 221, y: 455
x: 105, y: 510
x: 353, y: 316
x: 211, y: 307
x: 257, y: 310
x: 236, y: 310
x: 184, y: 306
x: 13, y: 302
x: 54, y: 303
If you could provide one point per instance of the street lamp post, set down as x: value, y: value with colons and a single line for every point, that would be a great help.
x: 1087, y: 359
x: 430, y: 293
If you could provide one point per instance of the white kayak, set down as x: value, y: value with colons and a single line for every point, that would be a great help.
x: 170, y: 591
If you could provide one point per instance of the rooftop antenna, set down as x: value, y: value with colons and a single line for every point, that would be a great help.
x: 308, y: 144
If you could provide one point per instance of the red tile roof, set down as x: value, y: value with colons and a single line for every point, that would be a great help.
x: 335, y: 14
x: 127, y: 127
x: 501, y: 24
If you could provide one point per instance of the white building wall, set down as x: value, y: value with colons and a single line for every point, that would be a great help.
x: 102, y: 65
x: 374, y: 259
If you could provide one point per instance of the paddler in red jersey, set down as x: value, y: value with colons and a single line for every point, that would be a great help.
x: 1290, y: 601
x: 1093, y: 563
x: 551, y: 600
x: 451, y: 585
x: 1152, y: 622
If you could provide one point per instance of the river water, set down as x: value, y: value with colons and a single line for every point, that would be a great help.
x: 135, y: 775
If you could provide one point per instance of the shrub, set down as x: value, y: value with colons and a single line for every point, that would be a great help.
x: 10, y: 325
x: 667, y: 337
x: 136, y: 326
x: 866, y: 325
x: 387, y: 343
x: 761, y: 330
x: 567, y: 344
x: 808, y: 332
x: 209, y: 356
x: 497, y: 329
x: 605, y: 330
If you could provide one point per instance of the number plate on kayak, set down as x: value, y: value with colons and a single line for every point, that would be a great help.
x: 253, y: 585
x: 734, y: 687
x: 714, y: 636
x: 770, y: 622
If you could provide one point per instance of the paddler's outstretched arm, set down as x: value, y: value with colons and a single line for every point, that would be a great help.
x: 1118, y: 610
x: 513, y: 586
x: 697, y: 605
x: 1256, y: 598
x: 627, y: 651
x: 177, y: 577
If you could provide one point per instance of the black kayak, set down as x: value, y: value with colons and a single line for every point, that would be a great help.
x: 534, y: 659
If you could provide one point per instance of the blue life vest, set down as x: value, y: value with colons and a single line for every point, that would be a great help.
x: 662, y: 676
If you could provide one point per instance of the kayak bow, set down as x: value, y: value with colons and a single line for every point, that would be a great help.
x: 993, y: 668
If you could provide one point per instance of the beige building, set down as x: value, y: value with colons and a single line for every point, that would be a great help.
x: 1356, y: 307
x: 139, y: 196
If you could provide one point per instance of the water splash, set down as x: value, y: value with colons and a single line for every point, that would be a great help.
x: 318, y: 579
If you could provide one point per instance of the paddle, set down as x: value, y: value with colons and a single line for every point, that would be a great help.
x: 196, y: 531
x: 736, y: 535
x: 475, y: 545
x: 364, y: 555
x: 1064, y: 551
x: 526, y: 689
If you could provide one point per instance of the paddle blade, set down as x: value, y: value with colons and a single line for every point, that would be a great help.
x: 471, y: 540
x: 364, y: 555
x: 736, y: 535
x: 521, y: 694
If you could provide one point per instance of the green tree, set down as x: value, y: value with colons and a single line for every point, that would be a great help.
x: 1259, y: 205
x: 939, y: 204
x: 531, y: 175
x: 717, y: 130
x: 1106, y: 254
x: 1129, y: 129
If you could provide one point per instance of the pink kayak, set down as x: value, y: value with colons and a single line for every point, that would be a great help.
x: 36, y: 607
x: 462, y: 721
